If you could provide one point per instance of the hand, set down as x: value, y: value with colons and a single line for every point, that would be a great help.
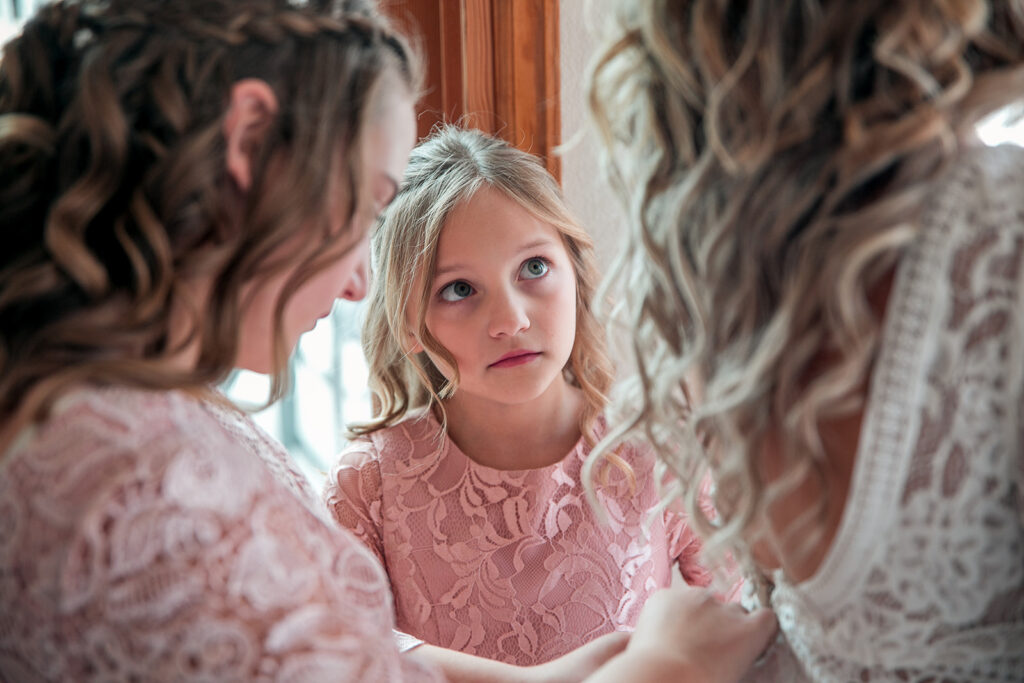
x: 581, y: 662
x: 685, y: 634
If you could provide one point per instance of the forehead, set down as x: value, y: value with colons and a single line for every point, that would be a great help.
x: 494, y: 222
x: 389, y: 132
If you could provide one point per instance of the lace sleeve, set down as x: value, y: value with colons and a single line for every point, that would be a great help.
x: 151, y: 553
x: 353, y: 495
x: 685, y: 548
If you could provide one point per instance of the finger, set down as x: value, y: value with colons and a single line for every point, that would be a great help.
x: 762, y: 628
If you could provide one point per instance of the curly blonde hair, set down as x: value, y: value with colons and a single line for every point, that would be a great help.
x: 445, y: 170
x: 114, y: 190
x: 773, y: 155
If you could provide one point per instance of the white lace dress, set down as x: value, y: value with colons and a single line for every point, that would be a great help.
x: 925, y: 578
x: 151, y: 536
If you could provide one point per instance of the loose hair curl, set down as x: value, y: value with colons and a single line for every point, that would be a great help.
x: 774, y: 155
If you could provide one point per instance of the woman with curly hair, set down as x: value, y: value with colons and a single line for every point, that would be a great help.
x: 824, y: 284
x: 176, y: 202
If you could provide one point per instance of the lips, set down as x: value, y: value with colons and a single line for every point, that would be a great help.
x: 514, y: 358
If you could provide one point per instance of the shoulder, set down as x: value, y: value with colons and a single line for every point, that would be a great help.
x: 983, y: 183
x: 627, y: 468
x: 632, y: 450
x: 120, y: 423
x: 158, y: 514
x: 142, y: 436
x: 1001, y: 161
x: 417, y: 436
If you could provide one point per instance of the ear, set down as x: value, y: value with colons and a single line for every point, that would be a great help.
x: 251, y: 110
x: 413, y: 345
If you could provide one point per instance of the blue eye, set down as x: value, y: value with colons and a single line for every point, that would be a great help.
x: 456, y: 291
x: 534, y: 268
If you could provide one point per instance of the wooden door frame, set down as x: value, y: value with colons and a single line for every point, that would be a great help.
x: 492, y: 65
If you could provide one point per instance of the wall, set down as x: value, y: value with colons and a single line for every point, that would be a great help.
x: 585, y: 190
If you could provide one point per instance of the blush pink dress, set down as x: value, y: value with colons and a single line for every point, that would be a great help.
x: 511, y: 565
x: 153, y: 536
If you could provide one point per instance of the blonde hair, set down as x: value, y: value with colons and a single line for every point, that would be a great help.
x: 114, y: 186
x: 445, y: 170
x: 774, y: 155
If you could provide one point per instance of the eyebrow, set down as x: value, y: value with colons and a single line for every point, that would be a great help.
x: 542, y: 242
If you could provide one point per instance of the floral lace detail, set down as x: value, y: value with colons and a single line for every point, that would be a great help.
x: 510, y: 565
x: 142, y: 539
x: 925, y: 578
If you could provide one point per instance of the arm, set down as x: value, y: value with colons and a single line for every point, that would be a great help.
x: 459, y: 667
x: 685, y: 548
x: 198, y: 555
x: 684, y: 634
x: 353, y: 495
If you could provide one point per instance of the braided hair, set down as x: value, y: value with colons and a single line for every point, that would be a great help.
x: 113, y: 186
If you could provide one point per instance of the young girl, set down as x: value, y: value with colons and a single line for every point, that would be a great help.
x: 489, y: 374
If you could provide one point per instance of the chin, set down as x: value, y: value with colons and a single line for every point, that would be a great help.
x: 518, y: 395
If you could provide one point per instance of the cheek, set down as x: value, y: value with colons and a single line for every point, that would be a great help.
x: 446, y: 370
x: 316, y: 296
x: 563, y: 293
x: 256, y: 331
x: 446, y: 324
x: 449, y: 332
x: 446, y: 337
x: 562, y: 314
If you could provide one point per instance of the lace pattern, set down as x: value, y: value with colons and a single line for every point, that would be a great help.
x: 149, y: 536
x: 925, y: 578
x: 510, y: 565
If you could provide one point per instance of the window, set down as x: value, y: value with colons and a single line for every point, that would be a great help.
x: 329, y: 378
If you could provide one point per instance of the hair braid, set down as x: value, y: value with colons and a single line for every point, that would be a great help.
x: 113, y: 189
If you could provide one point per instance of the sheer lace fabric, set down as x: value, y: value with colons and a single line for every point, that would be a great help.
x: 511, y: 565
x: 925, y: 578
x: 151, y: 536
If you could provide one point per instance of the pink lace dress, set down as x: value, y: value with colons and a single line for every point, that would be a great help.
x: 925, y: 578
x: 511, y: 565
x: 152, y: 536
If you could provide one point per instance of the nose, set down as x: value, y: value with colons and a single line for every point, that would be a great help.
x: 508, y: 315
x: 358, y: 279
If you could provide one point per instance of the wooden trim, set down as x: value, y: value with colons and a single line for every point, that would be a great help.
x: 492, y: 65
x: 453, y: 83
x: 526, y: 76
x: 479, y: 64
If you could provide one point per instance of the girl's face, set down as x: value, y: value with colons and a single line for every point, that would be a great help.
x: 503, y: 300
x: 388, y: 137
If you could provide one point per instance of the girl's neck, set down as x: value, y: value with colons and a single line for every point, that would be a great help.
x: 517, y: 437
